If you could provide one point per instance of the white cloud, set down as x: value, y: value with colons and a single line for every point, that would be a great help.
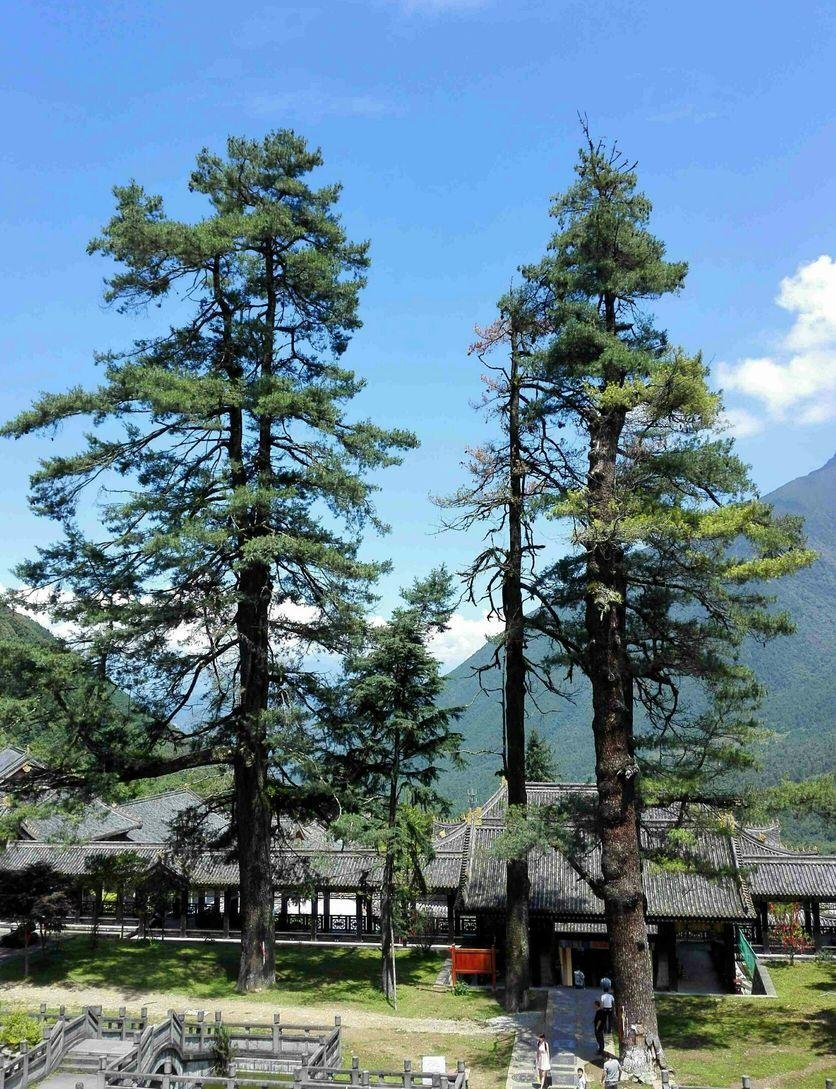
x: 464, y: 636
x: 796, y: 383
x: 812, y: 294
x: 741, y: 423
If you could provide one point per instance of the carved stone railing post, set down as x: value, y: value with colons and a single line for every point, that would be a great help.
x: 277, y: 1034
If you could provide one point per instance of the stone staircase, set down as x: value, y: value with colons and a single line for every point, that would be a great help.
x: 562, y: 1019
x: 82, y: 1062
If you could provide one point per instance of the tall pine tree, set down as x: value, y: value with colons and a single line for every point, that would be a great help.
x: 504, y: 474
x: 233, y: 496
x: 669, y: 543
x: 394, y: 738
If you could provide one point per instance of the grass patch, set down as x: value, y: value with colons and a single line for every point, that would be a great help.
x: 330, y: 976
x: 487, y: 1057
x: 780, y: 1042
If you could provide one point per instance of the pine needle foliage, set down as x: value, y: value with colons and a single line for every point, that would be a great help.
x: 232, y: 493
x: 670, y: 544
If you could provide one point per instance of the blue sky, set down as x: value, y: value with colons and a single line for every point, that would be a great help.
x: 450, y: 124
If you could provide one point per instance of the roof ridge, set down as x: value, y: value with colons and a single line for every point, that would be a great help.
x: 161, y: 794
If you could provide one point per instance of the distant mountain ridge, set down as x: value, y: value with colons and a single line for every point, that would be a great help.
x: 797, y: 671
x: 17, y: 626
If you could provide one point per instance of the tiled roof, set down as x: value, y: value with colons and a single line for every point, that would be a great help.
x: 752, y: 843
x: 70, y: 859
x: 153, y: 815
x: 558, y: 888
x: 142, y: 820
x: 444, y: 871
x: 555, y: 886
x: 97, y: 821
x: 811, y: 876
x: 463, y: 860
x: 11, y: 760
x: 772, y: 870
x: 65, y: 858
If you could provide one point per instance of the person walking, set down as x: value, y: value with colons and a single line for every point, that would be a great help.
x: 607, y: 1004
x: 543, y: 1062
x: 598, y: 1025
x: 611, y: 1074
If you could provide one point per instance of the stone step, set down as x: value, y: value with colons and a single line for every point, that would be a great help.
x: 79, y: 1062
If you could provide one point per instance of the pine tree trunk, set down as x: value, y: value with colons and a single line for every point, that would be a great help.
x: 253, y: 809
x: 388, y: 974
x: 615, y: 767
x: 516, y: 876
x: 253, y: 812
x: 257, y: 969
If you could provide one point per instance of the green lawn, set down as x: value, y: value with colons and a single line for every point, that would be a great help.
x: 305, y: 975
x: 486, y: 1057
x: 784, y: 1043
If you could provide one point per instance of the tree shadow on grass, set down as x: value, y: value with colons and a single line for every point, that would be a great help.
x: 310, y: 974
x: 711, y: 1024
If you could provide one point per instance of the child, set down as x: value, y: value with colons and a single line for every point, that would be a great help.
x: 543, y: 1062
x: 580, y: 1081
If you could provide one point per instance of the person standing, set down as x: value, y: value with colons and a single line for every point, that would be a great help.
x: 580, y: 1080
x: 608, y: 1003
x: 598, y: 1025
x: 611, y: 1074
x: 543, y: 1062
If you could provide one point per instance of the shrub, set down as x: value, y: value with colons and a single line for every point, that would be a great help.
x: 460, y: 987
x: 221, y: 1051
x: 16, y: 1027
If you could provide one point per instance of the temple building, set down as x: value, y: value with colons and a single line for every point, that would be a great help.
x: 327, y: 889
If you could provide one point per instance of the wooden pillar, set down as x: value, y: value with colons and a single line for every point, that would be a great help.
x: 673, y: 958
x: 815, y: 911
x: 326, y: 911
x: 231, y: 905
x: 369, y: 915
x: 314, y: 913
x: 184, y: 909
x: 358, y: 916
x: 451, y: 917
x: 763, y: 914
x: 282, y: 913
x: 566, y: 965
x: 729, y: 948
x: 808, y: 916
x: 201, y: 901
x: 216, y: 901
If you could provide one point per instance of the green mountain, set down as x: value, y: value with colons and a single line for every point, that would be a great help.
x: 797, y: 670
x: 17, y: 626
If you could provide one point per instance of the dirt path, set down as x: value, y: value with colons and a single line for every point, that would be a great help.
x: 159, y: 1003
